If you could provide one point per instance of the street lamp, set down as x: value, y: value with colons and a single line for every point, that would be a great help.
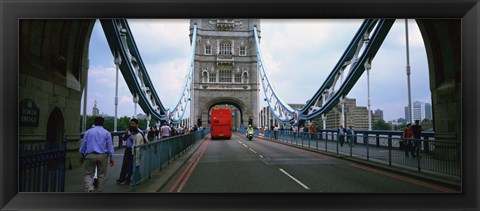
x: 408, y: 74
x: 118, y: 61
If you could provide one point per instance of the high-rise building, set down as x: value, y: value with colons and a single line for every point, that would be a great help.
x: 407, y: 115
x: 418, y: 111
x: 377, y: 115
x: 428, y: 111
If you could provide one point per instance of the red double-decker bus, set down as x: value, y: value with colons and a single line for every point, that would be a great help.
x: 221, y: 123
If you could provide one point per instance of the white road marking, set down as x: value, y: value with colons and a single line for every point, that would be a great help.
x: 245, y: 145
x: 294, y: 179
x: 261, y: 156
x: 252, y: 150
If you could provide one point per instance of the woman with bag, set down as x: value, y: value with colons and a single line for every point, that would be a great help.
x: 407, y: 137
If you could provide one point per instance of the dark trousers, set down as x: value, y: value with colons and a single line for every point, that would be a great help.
x: 341, y: 138
x: 408, y: 147
x: 127, y: 165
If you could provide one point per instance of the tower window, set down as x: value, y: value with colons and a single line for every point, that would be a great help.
x: 225, y: 76
x: 212, y: 78
x: 208, y: 50
x: 243, y: 51
x: 238, y: 78
x: 225, y: 48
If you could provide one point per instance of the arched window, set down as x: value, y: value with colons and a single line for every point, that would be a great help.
x: 204, y: 77
x: 225, y: 48
x: 245, y: 77
x: 55, y: 127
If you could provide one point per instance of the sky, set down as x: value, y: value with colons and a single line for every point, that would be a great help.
x: 298, y: 54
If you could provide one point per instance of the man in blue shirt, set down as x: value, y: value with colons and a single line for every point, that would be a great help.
x: 95, y: 150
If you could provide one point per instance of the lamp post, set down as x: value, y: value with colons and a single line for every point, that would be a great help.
x: 408, y: 74
x: 368, y: 66
x: 118, y: 61
x: 135, y: 101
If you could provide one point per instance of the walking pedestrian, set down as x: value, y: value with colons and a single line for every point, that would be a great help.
x: 341, y: 135
x: 312, y: 129
x: 417, y: 130
x: 165, y: 130
x: 95, y: 151
x: 407, y: 136
x: 151, y: 134
x: 350, y: 135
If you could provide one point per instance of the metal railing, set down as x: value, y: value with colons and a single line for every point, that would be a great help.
x: 154, y: 155
x: 436, y: 156
x: 42, y: 167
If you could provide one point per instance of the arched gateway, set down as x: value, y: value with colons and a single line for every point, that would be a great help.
x: 225, y: 69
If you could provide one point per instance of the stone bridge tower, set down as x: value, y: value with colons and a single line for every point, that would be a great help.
x: 225, y: 69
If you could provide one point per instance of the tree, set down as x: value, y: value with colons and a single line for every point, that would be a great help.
x: 381, y: 125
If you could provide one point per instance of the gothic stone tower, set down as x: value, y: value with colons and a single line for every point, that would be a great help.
x: 225, y: 69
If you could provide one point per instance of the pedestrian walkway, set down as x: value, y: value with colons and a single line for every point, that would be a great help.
x: 74, y: 178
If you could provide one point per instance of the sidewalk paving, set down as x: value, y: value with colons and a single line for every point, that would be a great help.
x: 74, y: 178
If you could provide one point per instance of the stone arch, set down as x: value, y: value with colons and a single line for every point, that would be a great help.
x: 442, y: 39
x: 55, y: 127
x: 245, y: 113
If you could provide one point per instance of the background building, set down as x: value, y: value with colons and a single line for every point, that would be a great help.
x: 428, y: 111
x: 356, y: 116
x: 421, y: 111
x: 95, y: 110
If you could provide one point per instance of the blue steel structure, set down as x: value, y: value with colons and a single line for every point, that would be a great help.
x: 368, y: 38
x: 359, y: 54
x: 123, y: 46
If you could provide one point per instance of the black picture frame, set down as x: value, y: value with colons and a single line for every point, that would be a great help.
x: 12, y: 11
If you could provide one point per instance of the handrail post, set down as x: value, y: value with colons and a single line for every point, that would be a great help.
x: 390, y: 149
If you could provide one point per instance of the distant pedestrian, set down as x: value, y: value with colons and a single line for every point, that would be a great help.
x: 194, y: 129
x: 151, y: 134
x: 407, y: 137
x: 350, y: 135
x: 417, y: 130
x: 341, y: 135
x: 312, y: 130
x: 165, y: 130
x: 95, y: 151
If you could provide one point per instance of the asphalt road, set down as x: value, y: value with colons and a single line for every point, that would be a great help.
x: 239, y: 165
